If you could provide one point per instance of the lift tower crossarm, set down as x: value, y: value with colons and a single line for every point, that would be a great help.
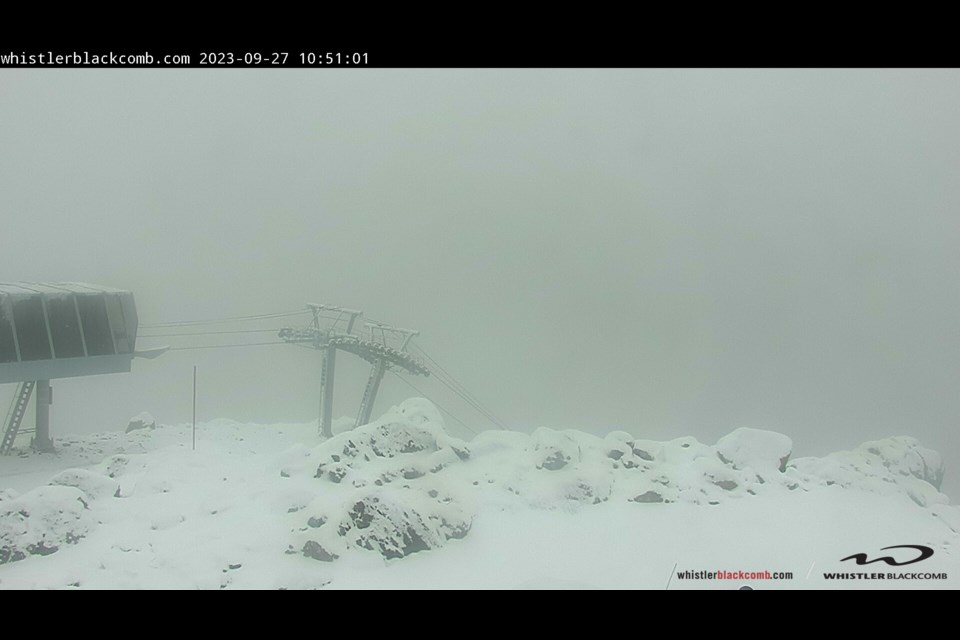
x: 353, y: 313
x: 408, y: 334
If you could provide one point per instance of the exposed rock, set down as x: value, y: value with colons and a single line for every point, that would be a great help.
x: 141, y: 421
x: 649, y: 497
x: 313, y: 550
x: 554, y: 461
x: 394, y: 523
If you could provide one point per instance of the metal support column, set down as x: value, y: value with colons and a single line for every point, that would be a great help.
x: 370, y: 393
x: 326, y: 391
x: 44, y: 395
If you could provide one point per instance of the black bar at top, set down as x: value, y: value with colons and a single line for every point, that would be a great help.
x: 614, y: 46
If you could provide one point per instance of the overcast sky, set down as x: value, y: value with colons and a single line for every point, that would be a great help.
x: 667, y: 252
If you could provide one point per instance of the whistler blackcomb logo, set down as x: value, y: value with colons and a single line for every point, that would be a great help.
x: 901, y: 555
x: 905, y: 559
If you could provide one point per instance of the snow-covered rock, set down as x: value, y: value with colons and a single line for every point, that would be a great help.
x: 141, y: 421
x: 554, y: 450
x: 409, y: 452
x: 121, y: 464
x: 401, y: 446
x: 766, y: 451
x: 388, y: 502
x: 41, y: 521
x: 223, y: 515
x: 94, y: 485
x: 394, y: 522
x: 893, y: 465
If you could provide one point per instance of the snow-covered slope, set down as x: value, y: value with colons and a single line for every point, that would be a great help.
x: 399, y: 503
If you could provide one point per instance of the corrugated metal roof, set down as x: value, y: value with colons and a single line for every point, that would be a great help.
x: 53, y: 288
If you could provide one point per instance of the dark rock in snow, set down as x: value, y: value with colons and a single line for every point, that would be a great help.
x: 554, y: 462
x: 336, y: 475
x: 648, y: 497
x: 394, y: 523
x: 313, y: 550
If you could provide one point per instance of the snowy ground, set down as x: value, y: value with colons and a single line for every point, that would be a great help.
x: 401, y: 504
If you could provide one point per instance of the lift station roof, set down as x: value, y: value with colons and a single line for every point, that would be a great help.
x: 63, y: 330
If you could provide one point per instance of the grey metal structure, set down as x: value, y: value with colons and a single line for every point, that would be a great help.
x: 329, y: 337
x: 18, y: 409
x: 380, y: 366
x: 61, y: 330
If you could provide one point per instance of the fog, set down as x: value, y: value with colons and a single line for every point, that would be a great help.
x: 667, y: 252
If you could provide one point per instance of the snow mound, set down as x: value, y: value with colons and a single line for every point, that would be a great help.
x: 122, y: 464
x: 406, y: 444
x: 755, y: 448
x: 554, y: 450
x: 41, y: 521
x: 94, y: 485
x: 889, y: 466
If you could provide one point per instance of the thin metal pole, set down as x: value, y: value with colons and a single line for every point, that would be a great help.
x: 194, y: 407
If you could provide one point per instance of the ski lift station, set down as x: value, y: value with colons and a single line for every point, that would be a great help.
x: 60, y: 330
